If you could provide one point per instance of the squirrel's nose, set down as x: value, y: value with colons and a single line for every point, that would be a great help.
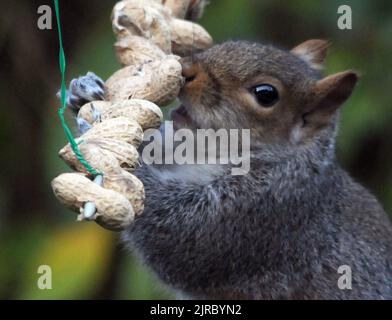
x: 189, y: 70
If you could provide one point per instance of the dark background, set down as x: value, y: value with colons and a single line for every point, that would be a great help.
x: 86, y: 261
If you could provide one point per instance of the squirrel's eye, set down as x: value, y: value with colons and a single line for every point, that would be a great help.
x: 266, y: 94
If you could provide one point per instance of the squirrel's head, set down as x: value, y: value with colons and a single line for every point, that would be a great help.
x: 278, y: 95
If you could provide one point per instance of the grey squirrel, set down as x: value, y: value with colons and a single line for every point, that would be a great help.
x: 283, y: 230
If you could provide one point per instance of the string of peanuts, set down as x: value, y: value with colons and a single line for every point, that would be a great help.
x: 151, y: 37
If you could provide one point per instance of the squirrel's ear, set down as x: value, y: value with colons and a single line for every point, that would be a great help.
x: 312, y: 52
x: 330, y: 92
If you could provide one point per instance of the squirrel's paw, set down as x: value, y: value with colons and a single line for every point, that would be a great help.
x: 84, y: 125
x: 85, y: 89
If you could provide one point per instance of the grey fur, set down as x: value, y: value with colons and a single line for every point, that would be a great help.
x: 85, y: 89
x: 279, y: 232
x: 83, y: 125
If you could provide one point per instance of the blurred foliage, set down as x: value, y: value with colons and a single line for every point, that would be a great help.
x: 87, y: 262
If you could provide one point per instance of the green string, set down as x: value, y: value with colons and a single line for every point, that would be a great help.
x: 68, y: 133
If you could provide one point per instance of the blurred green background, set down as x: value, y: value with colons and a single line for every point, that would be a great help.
x: 87, y: 262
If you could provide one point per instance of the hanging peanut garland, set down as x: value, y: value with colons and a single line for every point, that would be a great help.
x: 151, y: 37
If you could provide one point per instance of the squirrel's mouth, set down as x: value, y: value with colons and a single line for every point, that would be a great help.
x: 180, y: 117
